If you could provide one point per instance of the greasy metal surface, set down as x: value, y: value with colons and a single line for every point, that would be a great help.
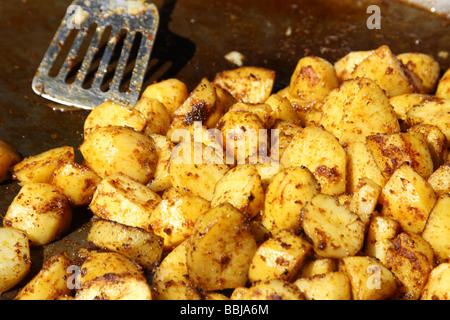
x: 193, y: 38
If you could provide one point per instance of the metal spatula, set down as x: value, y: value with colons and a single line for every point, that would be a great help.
x: 99, y: 53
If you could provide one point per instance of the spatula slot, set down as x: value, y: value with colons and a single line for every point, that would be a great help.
x: 114, y: 60
x: 63, y: 50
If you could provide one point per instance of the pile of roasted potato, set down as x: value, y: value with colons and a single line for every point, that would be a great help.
x: 335, y: 187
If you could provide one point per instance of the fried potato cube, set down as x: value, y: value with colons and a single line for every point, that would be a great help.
x: 223, y: 241
x: 171, y: 281
x: 361, y: 165
x: 365, y: 199
x: 440, y: 179
x: 410, y: 259
x: 51, y: 282
x: 241, y: 187
x: 334, y: 285
x: 274, y: 289
x: 76, y: 182
x: 313, y: 78
x: 8, y: 158
x: 424, y: 66
x: 15, y: 260
x: 111, y: 276
x: 319, y: 151
x: 279, y: 257
x: 408, y: 198
x: 443, y: 86
x: 174, y: 217
x: 156, y: 114
x: 369, y: 279
x: 403, y: 102
x: 124, y: 200
x: 391, y: 151
x: 382, y: 66
x: 113, y: 114
x: 356, y: 109
x: 286, y: 195
x: 161, y: 178
x: 318, y: 266
x: 196, y: 168
x: 39, y: 167
x: 262, y: 110
x: 436, y: 140
x: 170, y: 92
x: 113, y: 150
x: 247, y: 84
x: 41, y: 211
x: 282, y: 109
x: 335, y: 231
x: 436, y: 112
x: 438, y: 284
x: 437, y: 228
x: 345, y: 65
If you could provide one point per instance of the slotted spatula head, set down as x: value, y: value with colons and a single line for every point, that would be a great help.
x: 99, y: 53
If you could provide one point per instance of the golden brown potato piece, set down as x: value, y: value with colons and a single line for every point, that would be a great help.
x: 223, y: 241
x: 443, y: 87
x: 124, y: 200
x: 286, y: 195
x: 113, y: 150
x: 135, y: 243
x: 41, y: 211
x: 51, y: 282
x: 15, y: 260
x: 345, y: 65
x: 157, y: 117
x: 408, y: 198
x: 436, y: 140
x: 318, y: 266
x: 39, y: 168
x: 170, y: 92
x: 111, y: 276
x: 262, y: 110
x: 279, y: 257
x: 161, y: 178
x: 356, y: 109
x: 274, y: 289
x: 365, y: 199
x: 76, y: 182
x: 438, y: 284
x: 113, y: 114
x: 424, y: 66
x: 333, y: 285
x: 440, y: 179
x: 282, y: 109
x: 403, y: 102
x: 8, y: 158
x: 335, y: 231
x: 247, y: 84
x: 312, y: 79
x: 319, y: 151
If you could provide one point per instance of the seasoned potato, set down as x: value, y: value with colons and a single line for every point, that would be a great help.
x: 124, y: 200
x: 408, y: 198
x: 170, y: 92
x: 161, y: 177
x: 8, y: 158
x: 135, y: 243
x: 313, y: 78
x: 410, y: 259
x: 41, y: 211
x: 247, y: 84
x: 51, y: 282
x: 440, y: 179
x: 436, y: 112
x: 424, y: 66
x: 15, y: 259
x: 365, y: 199
x: 76, y: 182
x: 438, y: 284
x: 113, y: 114
x: 39, y: 168
x: 157, y: 117
x: 318, y: 266
x: 196, y: 168
x: 391, y: 151
x: 361, y: 165
x: 369, y: 279
x: 221, y: 240
x: 113, y: 150
x: 170, y: 280
x: 242, y: 187
x: 286, y: 195
x: 279, y: 257
x: 334, y: 285
x: 319, y: 151
x: 382, y: 66
x: 274, y: 289
x: 335, y: 232
x: 437, y: 228
x: 443, y: 86
x: 262, y: 110
x: 111, y: 276
x: 403, y: 102
x: 436, y: 140
x: 282, y: 109
x: 345, y: 65
x: 174, y: 217
x: 356, y: 109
